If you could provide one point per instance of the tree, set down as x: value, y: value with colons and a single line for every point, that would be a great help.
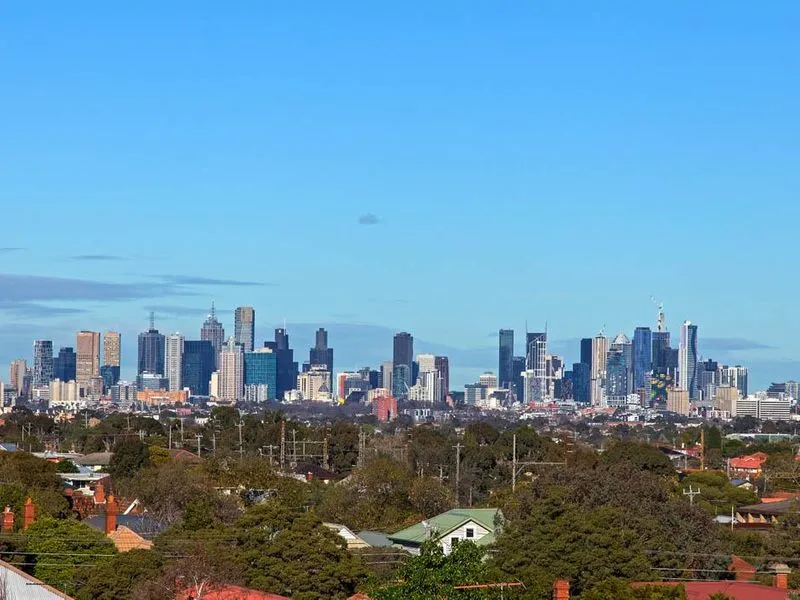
x: 643, y: 456
x: 116, y: 578
x: 429, y: 496
x: 66, y: 466
x: 622, y: 590
x: 293, y: 553
x: 717, y: 494
x: 63, y: 549
x: 433, y: 574
x: 130, y: 456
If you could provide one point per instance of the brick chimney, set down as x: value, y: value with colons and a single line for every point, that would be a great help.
x: 782, y: 572
x: 8, y: 520
x: 100, y: 493
x: 112, y: 509
x: 28, y: 513
x: 561, y: 589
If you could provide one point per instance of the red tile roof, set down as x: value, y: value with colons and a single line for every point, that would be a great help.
x: 737, y: 590
x: 230, y: 592
x: 750, y: 461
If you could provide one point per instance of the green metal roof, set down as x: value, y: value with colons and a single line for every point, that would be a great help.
x: 444, y: 523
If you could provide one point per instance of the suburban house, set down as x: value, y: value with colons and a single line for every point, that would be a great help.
x: 749, y: 465
x: 18, y: 584
x: 478, y: 525
x: 765, y: 514
x: 353, y: 541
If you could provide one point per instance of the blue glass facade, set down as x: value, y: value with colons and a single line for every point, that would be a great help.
x: 198, y: 364
x: 642, y: 357
x: 401, y: 381
x: 151, y: 352
x: 616, y: 376
x: 110, y: 375
x: 506, y: 358
x: 64, y: 365
x: 581, y: 382
x: 261, y: 368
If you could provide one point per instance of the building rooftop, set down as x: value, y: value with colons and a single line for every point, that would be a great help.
x: 444, y: 523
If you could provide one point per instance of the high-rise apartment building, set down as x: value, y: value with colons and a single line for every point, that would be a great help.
x: 151, y: 350
x: 387, y: 368
x: 244, y: 325
x: 112, y: 344
x: 593, y: 353
x: 678, y: 401
x: 213, y: 332
x: 506, y: 358
x: 197, y: 365
x: 87, y: 360
x: 734, y: 376
x: 320, y: 354
x: 661, y: 351
x: 642, y: 357
x: 42, y: 363
x: 231, y: 371
x: 687, y: 359
x: 173, y: 361
x: 16, y: 373
x: 518, y: 377
x: 536, y: 366
x: 622, y: 344
x: 64, y: 364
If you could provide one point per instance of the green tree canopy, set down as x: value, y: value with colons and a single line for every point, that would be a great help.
x: 130, y: 456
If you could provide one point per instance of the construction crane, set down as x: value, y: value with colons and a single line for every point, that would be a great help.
x: 660, y: 306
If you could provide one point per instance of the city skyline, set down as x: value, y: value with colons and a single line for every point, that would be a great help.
x: 465, y: 365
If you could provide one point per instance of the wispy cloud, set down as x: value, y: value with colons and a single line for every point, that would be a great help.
x: 368, y: 219
x: 36, y: 310
x: 192, y: 280
x: 732, y: 344
x: 97, y: 257
x: 36, y: 288
x: 8, y: 250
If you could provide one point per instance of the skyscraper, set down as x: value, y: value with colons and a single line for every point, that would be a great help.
x: 231, y: 371
x: 320, y: 354
x: 616, y: 384
x: 387, y: 367
x: 536, y: 366
x: 173, y: 361
x: 42, y: 363
x: 402, y: 357
x: 286, y: 366
x: 245, y: 327
x: 111, y: 348
x: 64, y: 364
x: 687, y: 359
x: 593, y: 353
x: 518, y: 377
x: 87, y: 362
x: 506, y: 358
x: 661, y: 348
x: 642, y: 357
x: 151, y: 350
x: 197, y: 366
x: 17, y: 372
x: 581, y: 382
x: 622, y: 344
x: 442, y: 365
x: 261, y: 369
x: 213, y: 331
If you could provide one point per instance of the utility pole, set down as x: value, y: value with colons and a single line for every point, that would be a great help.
x: 691, y: 492
x: 702, y: 449
x: 283, y: 445
x: 441, y: 474
x: 458, y: 447
x: 214, y: 442
x: 514, y: 463
x: 170, y: 436
x: 241, y: 444
x: 182, y: 438
x: 199, y: 437
x: 325, y: 464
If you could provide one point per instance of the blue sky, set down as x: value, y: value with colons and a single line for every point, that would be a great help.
x: 446, y: 168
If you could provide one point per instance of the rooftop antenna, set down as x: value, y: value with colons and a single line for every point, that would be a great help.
x: 213, y: 310
x: 152, y: 320
x: 660, y: 306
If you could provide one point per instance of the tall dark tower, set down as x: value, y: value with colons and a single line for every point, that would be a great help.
x: 213, y: 332
x: 506, y: 358
x: 286, y: 368
x: 320, y: 354
x: 151, y: 350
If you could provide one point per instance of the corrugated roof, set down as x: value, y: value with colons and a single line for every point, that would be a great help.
x: 446, y: 522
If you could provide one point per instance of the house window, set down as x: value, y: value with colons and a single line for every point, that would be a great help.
x: 470, y: 533
x: 453, y: 541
